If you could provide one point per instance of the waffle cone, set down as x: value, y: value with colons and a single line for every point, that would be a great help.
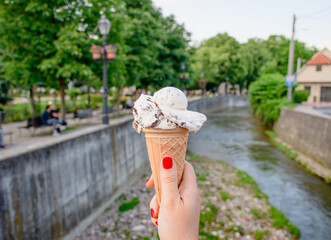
x: 162, y: 143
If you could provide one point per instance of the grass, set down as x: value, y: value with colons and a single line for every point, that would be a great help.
x: 257, y: 213
x: 104, y: 230
x: 235, y: 229
x: 259, y: 235
x: 293, y: 155
x: 209, y: 219
x: 244, y: 180
x: 126, y: 206
x: 280, y: 221
x: 272, y: 135
x: 225, y: 196
x: 69, y: 129
x: 209, y: 215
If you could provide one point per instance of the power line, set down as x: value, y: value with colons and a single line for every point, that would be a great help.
x: 314, y: 13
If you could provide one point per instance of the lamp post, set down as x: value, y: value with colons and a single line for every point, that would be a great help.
x: 104, y: 28
x: 184, y: 75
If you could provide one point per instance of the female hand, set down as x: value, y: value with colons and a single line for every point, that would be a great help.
x: 179, y: 213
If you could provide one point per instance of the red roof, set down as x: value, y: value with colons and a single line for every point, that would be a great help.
x: 319, y: 59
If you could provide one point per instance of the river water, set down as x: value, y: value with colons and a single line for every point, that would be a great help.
x: 235, y: 136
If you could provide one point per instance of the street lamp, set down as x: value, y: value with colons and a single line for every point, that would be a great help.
x: 183, y: 75
x: 104, y: 28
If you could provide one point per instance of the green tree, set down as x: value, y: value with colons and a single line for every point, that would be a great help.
x: 219, y: 59
x: 156, y: 46
x: 278, y: 47
x: 253, y: 55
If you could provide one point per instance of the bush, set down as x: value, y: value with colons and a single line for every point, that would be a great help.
x: 300, y: 96
x: 267, y: 95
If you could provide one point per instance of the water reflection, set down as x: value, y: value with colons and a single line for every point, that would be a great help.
x: 234, y: 136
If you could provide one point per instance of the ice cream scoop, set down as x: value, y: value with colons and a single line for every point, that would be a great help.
x: 167, y: 109
x: 166, y: 122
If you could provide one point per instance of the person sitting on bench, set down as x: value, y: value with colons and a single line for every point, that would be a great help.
x: 50, y: 118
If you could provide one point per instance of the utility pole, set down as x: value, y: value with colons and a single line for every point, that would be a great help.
x: 291, y: 60
x: 299, y: 64
x: 300, y: 60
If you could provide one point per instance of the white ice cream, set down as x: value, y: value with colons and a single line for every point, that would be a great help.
x: 167, y: 109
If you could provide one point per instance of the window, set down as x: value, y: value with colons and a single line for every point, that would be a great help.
x: 325, y: 94
x: 307, y: 88
x: 318, y: 68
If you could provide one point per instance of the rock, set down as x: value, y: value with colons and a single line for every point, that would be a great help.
x: 138, y: 228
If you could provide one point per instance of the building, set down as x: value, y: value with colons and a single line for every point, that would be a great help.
x: 315, y: 77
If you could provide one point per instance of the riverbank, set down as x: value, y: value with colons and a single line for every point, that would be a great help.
x: 310, y: 165
x: 233, y: 207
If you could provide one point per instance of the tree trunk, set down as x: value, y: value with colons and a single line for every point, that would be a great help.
x: 32, y: 101
x: 118, y: 98
x: 63, y: 101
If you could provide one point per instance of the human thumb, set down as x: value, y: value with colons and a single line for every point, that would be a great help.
x: 168, y: 175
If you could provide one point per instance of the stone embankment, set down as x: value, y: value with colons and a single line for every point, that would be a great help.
x: 308, y: 135
x: 233, y: 207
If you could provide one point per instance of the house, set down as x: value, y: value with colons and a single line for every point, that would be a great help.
x: 315, y: 77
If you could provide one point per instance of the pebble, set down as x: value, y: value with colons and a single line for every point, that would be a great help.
x: 233, y: 219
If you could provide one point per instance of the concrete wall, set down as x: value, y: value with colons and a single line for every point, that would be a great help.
x: 54, y: 188
x: 49, y: 188
x: 307, y: 133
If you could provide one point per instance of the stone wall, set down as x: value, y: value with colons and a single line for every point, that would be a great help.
x: 307, y: 133
x: 55, y: 188
x: 47, y: 190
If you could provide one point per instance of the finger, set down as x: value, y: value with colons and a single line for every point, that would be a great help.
x: 154, y: 206
x: 155, y: 221
x: 189, y: 180
x: 168, y: 177
x: 150, y: 182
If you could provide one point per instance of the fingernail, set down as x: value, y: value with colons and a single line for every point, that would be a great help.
x: 167, y: 162
x: 146, y: 182
x: 152, y: 212
x: 156, y: 223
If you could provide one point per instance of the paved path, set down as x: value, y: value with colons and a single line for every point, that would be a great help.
x: 25, y: 137
x: 322, y: 111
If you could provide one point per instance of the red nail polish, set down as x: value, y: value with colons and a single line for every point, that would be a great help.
x: 156, y: 223
x: 146, y: 182
x: 152, y: 212
x: 167, y: 162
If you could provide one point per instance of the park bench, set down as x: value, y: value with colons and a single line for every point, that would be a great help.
x: 10, y: 134
x: 83, y: 113
x: 33, y: 123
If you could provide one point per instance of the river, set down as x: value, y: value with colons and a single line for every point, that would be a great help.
x: 235, y: 136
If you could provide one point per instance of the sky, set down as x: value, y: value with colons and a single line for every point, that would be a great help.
x: 245, y: 19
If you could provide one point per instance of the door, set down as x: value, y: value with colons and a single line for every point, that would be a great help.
x: 325, y: 94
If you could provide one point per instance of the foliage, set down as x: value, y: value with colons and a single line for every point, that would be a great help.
x: 126, y: 206
x: 225, y: 196
x: 259, y: 235
x: 218, y: 58
x: 278, y: 47
x: 221, y: 57
x: 300, y: 96
x: 281, y: 221
x: 267, y: 97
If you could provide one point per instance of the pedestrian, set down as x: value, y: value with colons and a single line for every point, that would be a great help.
x: 177, y: 217
x: 1, y: 131
x: 1, y: 139
x: 50, y: 118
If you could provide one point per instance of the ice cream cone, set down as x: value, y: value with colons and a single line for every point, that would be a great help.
x: 162, y: 143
